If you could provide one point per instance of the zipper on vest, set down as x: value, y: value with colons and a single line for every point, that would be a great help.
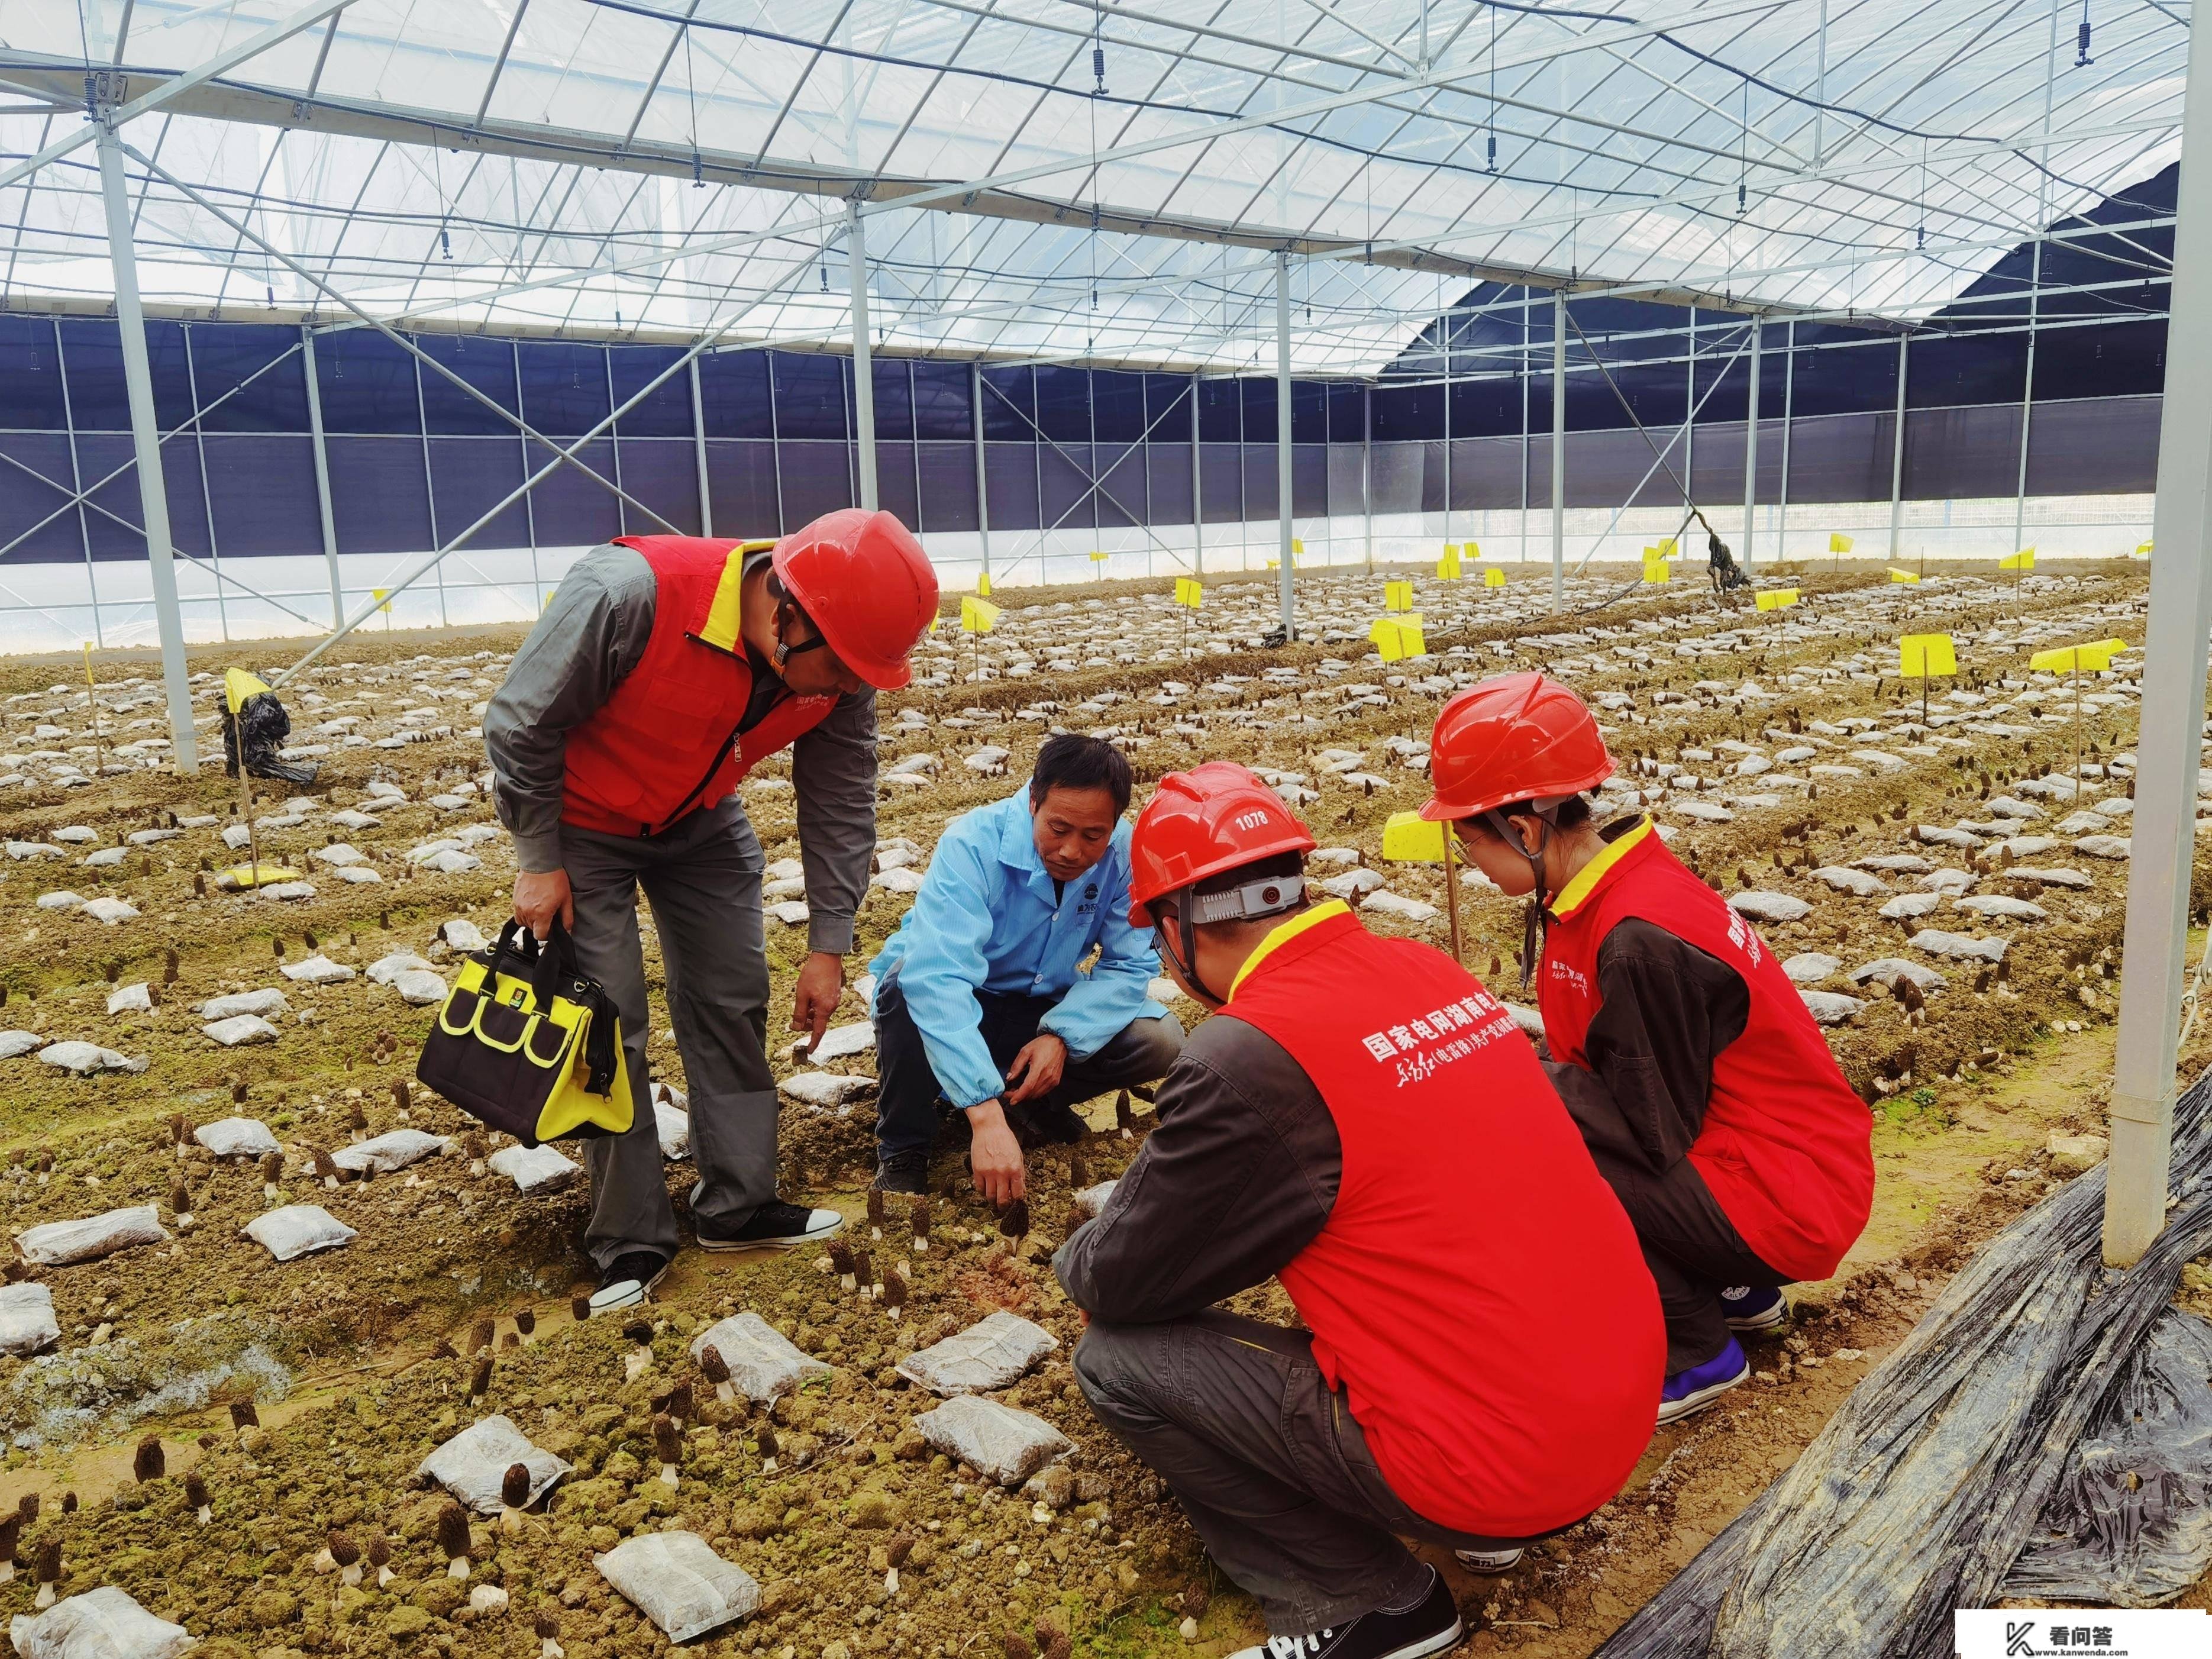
x: 721, y: 754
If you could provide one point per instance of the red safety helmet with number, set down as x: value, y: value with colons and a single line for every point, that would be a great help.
x: 1515, y: 737
x: 867, y: 586
x: 1201, y: 823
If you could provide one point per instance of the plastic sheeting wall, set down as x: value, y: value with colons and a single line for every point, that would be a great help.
x: 414, y: 461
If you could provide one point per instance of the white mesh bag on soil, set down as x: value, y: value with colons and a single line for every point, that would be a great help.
x: 1952, y: 1460
x: 534, y: 1168
x: 990, y: 1354
x: 762, y: 1363
x: 59, y: 1243
x: 1008, y: 1445
x: 473, y: 1463
x: 237, y: 1137
x: 298, y: 1229
x: 389, y: 1153
x: 27, y: 1320
x: 101, y: 1624
x: 678, y: 1583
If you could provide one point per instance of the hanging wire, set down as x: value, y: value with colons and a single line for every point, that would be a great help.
x: 1493, y: 90
x: 2081, y: 59
x: 691, y: 98
x: 1743, y: 155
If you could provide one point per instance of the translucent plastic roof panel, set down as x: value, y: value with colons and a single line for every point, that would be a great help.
x: 1044, y: 178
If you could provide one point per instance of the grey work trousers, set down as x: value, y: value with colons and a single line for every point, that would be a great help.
x: 702, y: 878
x: 1265, y: 1460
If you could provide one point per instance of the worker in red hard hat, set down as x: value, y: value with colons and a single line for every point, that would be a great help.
x: 664, y: 669
x: 1362, y: 1121
x: 1705, y: 1090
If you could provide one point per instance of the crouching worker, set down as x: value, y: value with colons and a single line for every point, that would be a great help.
x: 1705, y: 1093
x: 1362, y: 1121
x: 979, y: 998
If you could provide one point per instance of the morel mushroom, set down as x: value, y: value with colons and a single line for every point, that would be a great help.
x: 272, y: 1171
x: 150, y: 1463
x: 453, y: 1539
x: 49, y: 1571
x: 840, y: 1263
x: 180, y: 1203
x: 347, y: 1554
x: 196, y: 1495
x: 918, y: 1220
x: 668, y: 1446
x: 768, y: 1447
x: 549, y: 1637
x: 514, y: 1497
x: 717, y: 1371
x: 893, y: 1296
x: 379, y: 1557
x: 11, y: 1534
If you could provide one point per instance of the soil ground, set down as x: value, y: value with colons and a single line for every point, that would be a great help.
x: 359, y: 1360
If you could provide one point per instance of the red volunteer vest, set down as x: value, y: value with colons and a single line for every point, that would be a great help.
x: 662, y: 746
x: 1477, y: 1291
x: 1786, y: 1146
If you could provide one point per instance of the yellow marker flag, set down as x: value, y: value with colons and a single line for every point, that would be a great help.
x: 1838, y: 543
x: 1397, y: 596
x: 1923, y: 656
x: 978, y: 616
x: 2143, y: 549
x: 379, y: 593
x: 1472, y: 549
x: 246, y: 875
x: 1100, y: 558
x: 2023, y: 560
x: 1667, y: 550
x: 1448, y: 566
x: 1655, y: 565
x: 1907, y: 576
x: 1189, y: 591
x: 1408, y: 838
x: 238, y: 685
x: 1493, y: 577
x: 1298, y: 548
x: 983, y: 584
x: 1398, y: 638
x: 2092, y: 658
x: 1778, y: 598
x: 933, y: 621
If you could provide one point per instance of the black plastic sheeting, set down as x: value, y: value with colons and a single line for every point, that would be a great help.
x: 1947, y: 1463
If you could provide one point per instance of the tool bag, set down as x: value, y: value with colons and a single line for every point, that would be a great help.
x: 527, y: 1045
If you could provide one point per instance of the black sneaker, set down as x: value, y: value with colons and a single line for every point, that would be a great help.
x: 1430, y: 1627
x: 628, y: 1281
x: 903, y: 1172
x: 1054, y: 1124
x: 774, y: 1225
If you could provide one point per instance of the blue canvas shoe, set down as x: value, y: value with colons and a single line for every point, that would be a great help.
x: 1691, y: 1391
x: 1753, y: 1307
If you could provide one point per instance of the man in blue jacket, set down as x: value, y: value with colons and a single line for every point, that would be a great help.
x: 979, y: 998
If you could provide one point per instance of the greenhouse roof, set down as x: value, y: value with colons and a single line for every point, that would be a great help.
x: 1082, y: 181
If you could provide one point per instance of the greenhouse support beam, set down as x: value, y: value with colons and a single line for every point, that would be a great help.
x: 1197, y: 504
x: 1897, y: 453
x: 322, y: 477
x: 982, y: 470
x: 146, y: 443
x: 1751, y: 449
x: 2170, y: 749
x: 1558, y: 451
x: 699, y: 450
x: 1282, y: 442
x: 863, y: 367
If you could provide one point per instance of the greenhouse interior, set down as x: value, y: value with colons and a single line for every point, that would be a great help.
x: 1364, y: 405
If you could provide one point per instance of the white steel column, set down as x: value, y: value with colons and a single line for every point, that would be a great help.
x: 1897, y: 453
x: 1283, y: 438
x: 983, y: 480
x: 1197, y: 501
x: 1558, y: 451
x: 1751, y: 449
x: 2170, y: 748
x: 1789, y: 410
x: 2027, y: 396
x: 1367, y: 477
x: 863, y: 367
x: 146, y: 445
x: 323, y: 476
x: 699, y: 450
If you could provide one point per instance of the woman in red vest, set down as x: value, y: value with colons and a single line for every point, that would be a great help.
x: 1702, y: 1088
x: 1363, y: 1121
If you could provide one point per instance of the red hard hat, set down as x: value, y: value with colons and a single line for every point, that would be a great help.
x: 863, y: 581
x: 1518, y: 737
x: 1201, y: 823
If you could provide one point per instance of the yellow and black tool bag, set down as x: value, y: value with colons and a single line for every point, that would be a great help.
x: 528, y: 1045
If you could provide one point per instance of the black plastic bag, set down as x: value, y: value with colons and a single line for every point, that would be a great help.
x: 1930, y: 1481
x: 254, y: 720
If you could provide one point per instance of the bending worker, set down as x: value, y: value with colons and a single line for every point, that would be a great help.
x: 1362, y: 1121
x: 1703, y: 1089
x: 978, y: 997
x: 664, y: 669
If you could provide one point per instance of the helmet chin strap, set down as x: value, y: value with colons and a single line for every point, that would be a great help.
x: 1185, y: 963
x: 1532, y: 924
x: 784, y: 653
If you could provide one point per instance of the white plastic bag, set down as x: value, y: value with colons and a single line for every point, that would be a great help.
x: 237, y: 1137
x: 993, y: 1353
x: 1008, y: 1445
x: 762, y: 1364
x: 101, y: 1624
x: 674, y: 1128
x: 27, y: 1319
x: 473, y: 1464
x: 59, y: 1243
x: 678, y: 1583
x: 298, y: 1229
x: 389, y: 1152
x: 1091, y: 1200
x: 534, y: 1168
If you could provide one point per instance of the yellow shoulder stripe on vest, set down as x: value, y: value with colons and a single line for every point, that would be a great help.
x: 1587, y: 878
x: 1284, y: 934
x: 720, y: 628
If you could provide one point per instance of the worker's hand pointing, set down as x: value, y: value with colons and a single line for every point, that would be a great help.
x: 540, y: 896
x: 821, y: 983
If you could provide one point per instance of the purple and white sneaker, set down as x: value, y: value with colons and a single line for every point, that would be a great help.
x: 1753, y: 1307
x: 1692, y: 1391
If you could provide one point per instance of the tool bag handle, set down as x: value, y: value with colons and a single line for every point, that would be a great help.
x: 551, y: 967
